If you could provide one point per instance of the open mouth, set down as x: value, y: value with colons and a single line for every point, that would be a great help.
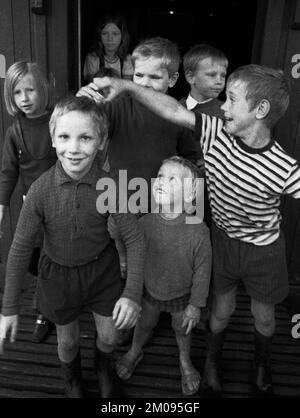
x: 74, y: 160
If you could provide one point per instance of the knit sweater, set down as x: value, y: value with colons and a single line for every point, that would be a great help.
x: 75, y: 230
x: 178, y: 258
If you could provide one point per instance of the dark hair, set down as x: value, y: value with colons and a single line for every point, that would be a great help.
x: 119, y: 21
x: 264, y: 83
x: 106, y: 72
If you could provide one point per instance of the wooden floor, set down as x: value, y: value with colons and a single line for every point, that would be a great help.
x: 30, y: 370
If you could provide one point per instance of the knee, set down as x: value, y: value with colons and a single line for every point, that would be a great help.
x: 265, y: 317
x: 68, y: 344
x: 108, y: 338
x: 223, y: 311
x: 177, y: 328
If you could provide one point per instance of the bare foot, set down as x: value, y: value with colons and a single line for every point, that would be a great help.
x: 190, y: 379
x: 126, y: 365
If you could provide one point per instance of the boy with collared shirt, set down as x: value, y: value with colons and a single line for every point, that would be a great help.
x: 205, y: 69
x: 247, y: 172
x: 79, y: 265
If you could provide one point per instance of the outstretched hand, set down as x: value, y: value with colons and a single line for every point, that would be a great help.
x: 125, y: 313
x: 191, y: 317
x: 8, y: 323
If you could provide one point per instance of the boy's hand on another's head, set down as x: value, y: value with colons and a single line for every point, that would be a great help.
x: 126, y: 313
x: 191, y: 317
x: 91, y: 91
x: 111, y: 86
x: 8, y: 323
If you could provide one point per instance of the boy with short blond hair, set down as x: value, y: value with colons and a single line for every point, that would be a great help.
x: 247, y: 172
x: 79, y: 264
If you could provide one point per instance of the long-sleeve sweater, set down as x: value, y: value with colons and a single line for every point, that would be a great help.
x: 27, y: 153
x: 178, y: 258
x: 75, y: 230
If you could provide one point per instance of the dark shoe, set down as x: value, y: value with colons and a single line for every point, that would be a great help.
x: 212, y: 377
x: 262, y: 384
x: 42, y: 329
x: 72, y: 377
x: 109, y: 383
x: 212, y: 369
x: 262, y: 381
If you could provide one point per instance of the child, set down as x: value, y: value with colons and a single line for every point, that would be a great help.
x: 177, y: 269
x: 247, y: 172
x: 205, y: 69
x: 27, y: 150
x: 79, y: 265
x: 139, y: 139
x: 110, y: 48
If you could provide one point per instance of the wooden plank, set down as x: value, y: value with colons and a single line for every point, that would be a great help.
x: 21, y: 28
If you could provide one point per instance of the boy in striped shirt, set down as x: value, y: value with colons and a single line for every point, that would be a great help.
x: 247, y: 172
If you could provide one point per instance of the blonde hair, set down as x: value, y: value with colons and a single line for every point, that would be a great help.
x: 200, y: 52
x: 162, y: 48
x: 15, y: 73
x: 84, y: 105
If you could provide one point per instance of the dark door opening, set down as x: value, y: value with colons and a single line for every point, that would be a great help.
x: 228, y: 25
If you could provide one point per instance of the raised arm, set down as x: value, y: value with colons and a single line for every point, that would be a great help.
x: 162, y: 104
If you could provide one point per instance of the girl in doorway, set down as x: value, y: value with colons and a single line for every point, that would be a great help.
x: 27, y: 150
x: 110, y: 49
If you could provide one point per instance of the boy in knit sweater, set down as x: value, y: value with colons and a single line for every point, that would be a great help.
x: 79, y: 263
x: 177, y: 268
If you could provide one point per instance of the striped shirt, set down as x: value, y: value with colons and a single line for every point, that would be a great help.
x: 245, y: 184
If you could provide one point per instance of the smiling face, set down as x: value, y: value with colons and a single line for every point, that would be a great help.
x: 239, y: 119
x: 208, y: 80
x: 149, y: 72
x: 111, y: 38
x: 168, y: 188
x: 26, y: 96
x: 77, y: 141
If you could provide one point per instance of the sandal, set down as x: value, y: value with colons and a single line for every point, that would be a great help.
x: 129, y: 366
x: 186, y: 379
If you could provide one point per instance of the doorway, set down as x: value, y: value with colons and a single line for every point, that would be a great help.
x: 228, y: 25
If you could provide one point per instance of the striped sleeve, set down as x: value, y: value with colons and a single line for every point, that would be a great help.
x: 292, y: 185
x: 207, y: 129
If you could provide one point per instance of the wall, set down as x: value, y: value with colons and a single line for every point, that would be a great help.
x: 32, y: 30
x: 277, y: 44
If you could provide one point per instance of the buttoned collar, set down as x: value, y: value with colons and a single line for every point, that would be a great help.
x: 89, y: 178
x: 191, y: 103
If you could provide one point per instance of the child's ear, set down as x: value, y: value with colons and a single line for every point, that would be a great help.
x: 173, y: 79
x: 189, y: 77
x: 263, y: 109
